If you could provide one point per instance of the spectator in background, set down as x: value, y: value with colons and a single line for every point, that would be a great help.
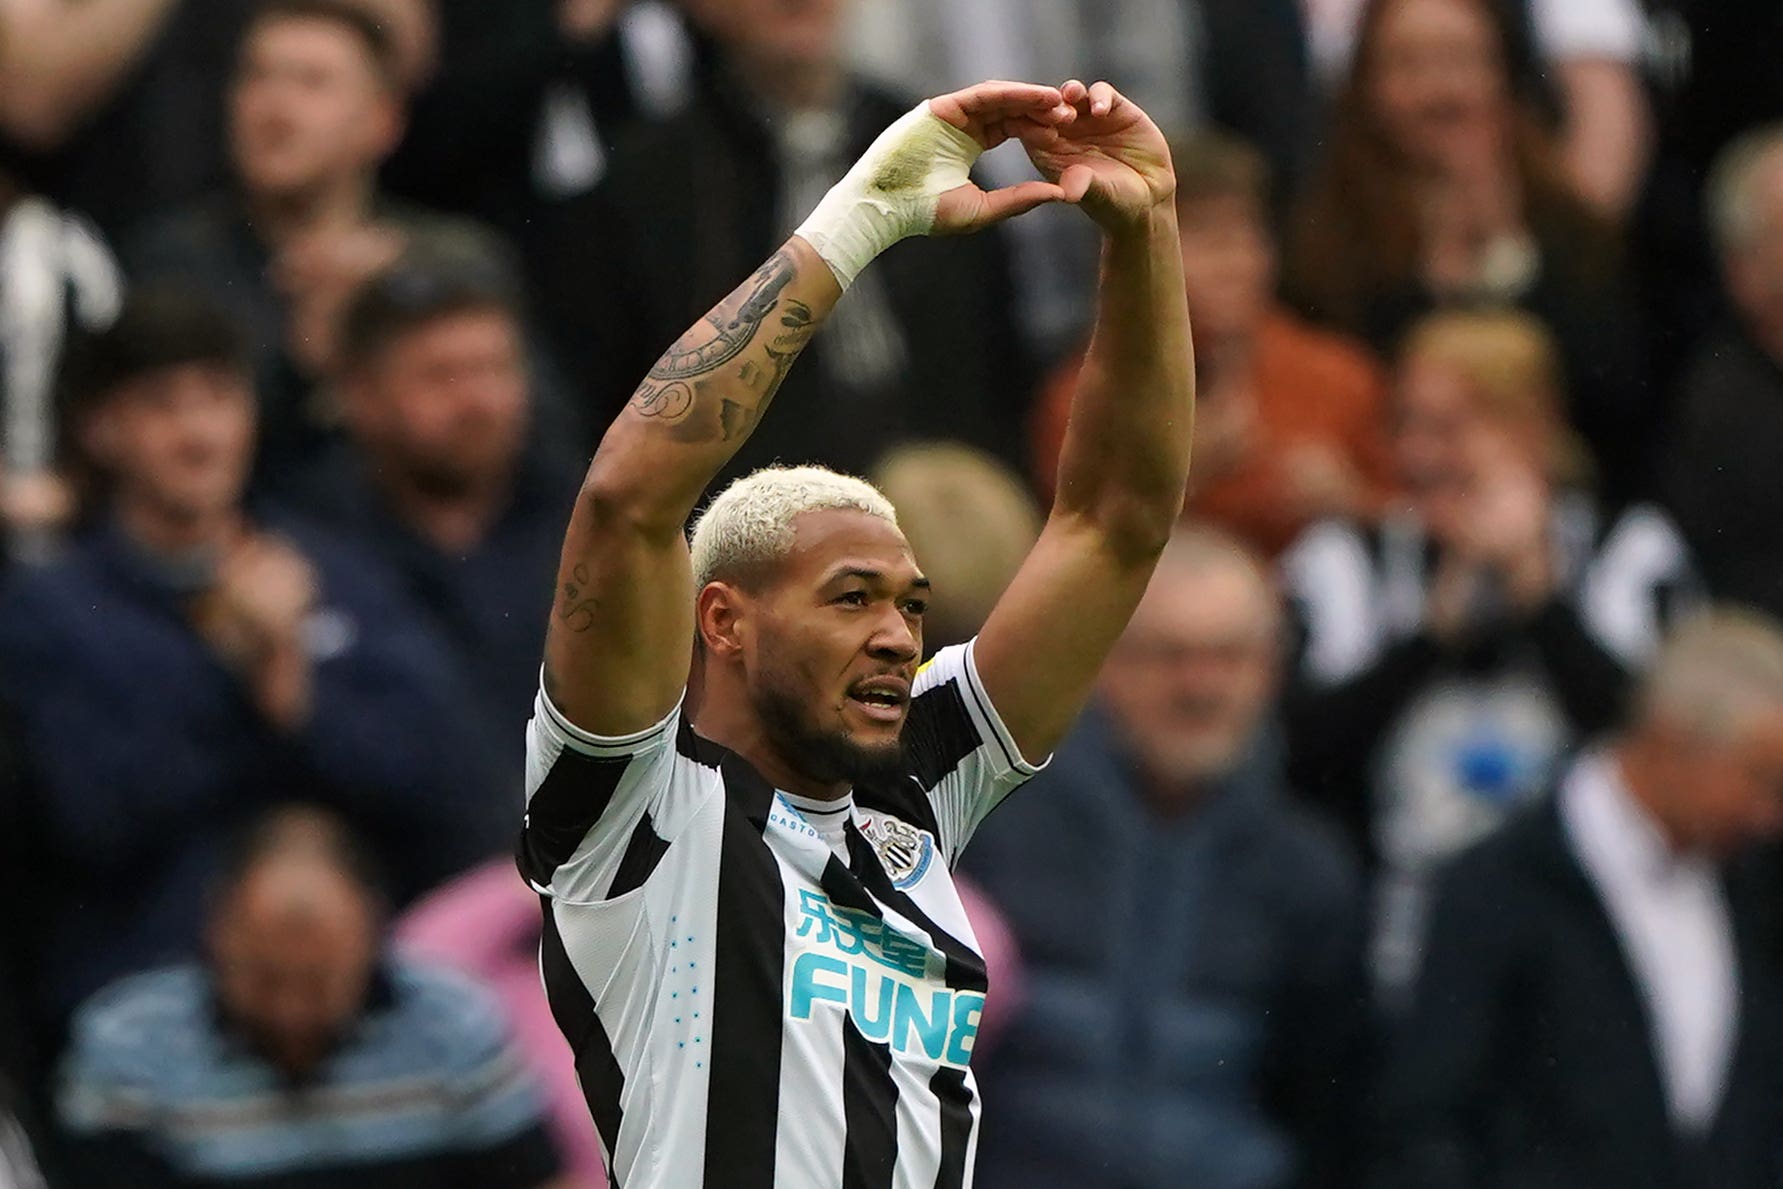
x: 190, y: 661
x: 1713, y: 76
x: 1454, y: 652
x: 314, y: 106
x: 1193, y: 940
x: 1723, y: 481
x: 449, y: 478
x: 1289, y: 421
x: 1601, y: 1005
x: 970, y: 520
x: 300, y: 1053
x: 1238, y: 64
x: 925, y: 345
x: 528, y: 102
x: 1583, y: 56
x: 1441, y: 187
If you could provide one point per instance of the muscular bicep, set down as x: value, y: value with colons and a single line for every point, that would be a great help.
x: 1045, y: 641
x: 621, y: 633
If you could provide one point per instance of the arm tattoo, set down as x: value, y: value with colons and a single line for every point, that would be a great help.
x: 735, y: 322
x: 677, y: 393
x: 578, y: 605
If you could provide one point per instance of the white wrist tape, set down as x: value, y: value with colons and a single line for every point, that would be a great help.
x: 890, y: 193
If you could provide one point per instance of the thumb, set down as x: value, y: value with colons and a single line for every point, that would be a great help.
x: 967, y: 208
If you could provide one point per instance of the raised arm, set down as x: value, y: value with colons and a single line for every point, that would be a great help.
x: 1125, y: 458
x: 621, y: 633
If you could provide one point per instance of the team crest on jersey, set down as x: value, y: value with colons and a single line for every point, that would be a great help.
x: 904, y: 851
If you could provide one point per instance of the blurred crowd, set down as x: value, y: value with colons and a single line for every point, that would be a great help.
x: 1420, y: 835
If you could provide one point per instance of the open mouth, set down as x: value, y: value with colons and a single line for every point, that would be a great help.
x: 883, y: 699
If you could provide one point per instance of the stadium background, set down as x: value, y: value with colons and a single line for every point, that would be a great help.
x: 1489, y: 321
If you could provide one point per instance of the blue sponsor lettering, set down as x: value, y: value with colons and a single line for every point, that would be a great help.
x: 930, y: 1029
x: 968, y: 1010
x: 805, y: 987
x: 874, y: 1028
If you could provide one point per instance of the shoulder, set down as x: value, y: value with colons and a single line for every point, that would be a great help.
x: 1722, y: 373
x: 33, y: 597
x: 135, y: 1021
x: 192, y: 233
x: 1505, y: 871
x: 461, y: 1019
x: 1339, y: 366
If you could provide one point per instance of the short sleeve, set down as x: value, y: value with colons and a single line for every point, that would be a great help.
x: 598, y: 807
x: 960, y: 750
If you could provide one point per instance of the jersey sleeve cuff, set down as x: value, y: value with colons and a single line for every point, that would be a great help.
x: 992, y: 721
x: 608, y: 746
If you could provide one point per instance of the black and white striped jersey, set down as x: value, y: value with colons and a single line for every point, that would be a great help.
x: 746, y: 1007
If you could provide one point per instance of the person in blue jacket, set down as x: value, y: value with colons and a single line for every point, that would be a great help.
x: 189, y: 661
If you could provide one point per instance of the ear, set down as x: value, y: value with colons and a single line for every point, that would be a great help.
x: 721, y: 619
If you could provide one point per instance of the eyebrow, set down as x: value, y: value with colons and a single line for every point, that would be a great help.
x: 876, y: 577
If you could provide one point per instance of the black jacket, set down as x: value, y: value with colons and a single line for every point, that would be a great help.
x: 1523, y: 1060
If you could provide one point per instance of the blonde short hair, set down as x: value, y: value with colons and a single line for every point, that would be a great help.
x: 750, y: 523
x: 1511, y: 363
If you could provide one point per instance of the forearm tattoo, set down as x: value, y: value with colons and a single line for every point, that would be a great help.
x: 693, y: 390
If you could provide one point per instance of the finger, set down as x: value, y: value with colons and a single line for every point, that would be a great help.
x: 993, y: 99
x: 1074, y: 92
x: 1007, y: 202
x: 1074, y: 183
x: 1103, y: 97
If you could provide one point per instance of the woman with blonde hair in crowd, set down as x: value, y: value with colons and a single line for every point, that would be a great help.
x: 1453, y: 652
x: 1442, y: 186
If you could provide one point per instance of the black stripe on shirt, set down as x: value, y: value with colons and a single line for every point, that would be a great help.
x: 642, y: 854
x: 603, y: 1082
x: 984, y: 712
x: 696, y: 747
x: 938, y: 733
x: 965, y: 969
x: 950, y: 1089
x: 869, y: 1111
x: 566, y: 805
x: 743, y: 1096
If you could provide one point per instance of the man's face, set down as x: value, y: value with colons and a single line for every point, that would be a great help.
x: 1755, y: 272
x: 1192, y: 676
x: 831, y: 646
x: 1730, y: 793
x: 180, y: 438
x: 1438, y: 80
x: 308, y: 107
x: 1229, y: 266
x: 447, y: 403
x: 292, y: 955
x: 788, y: 32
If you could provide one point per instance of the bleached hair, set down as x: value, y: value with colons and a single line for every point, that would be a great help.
x: 751, y: 521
